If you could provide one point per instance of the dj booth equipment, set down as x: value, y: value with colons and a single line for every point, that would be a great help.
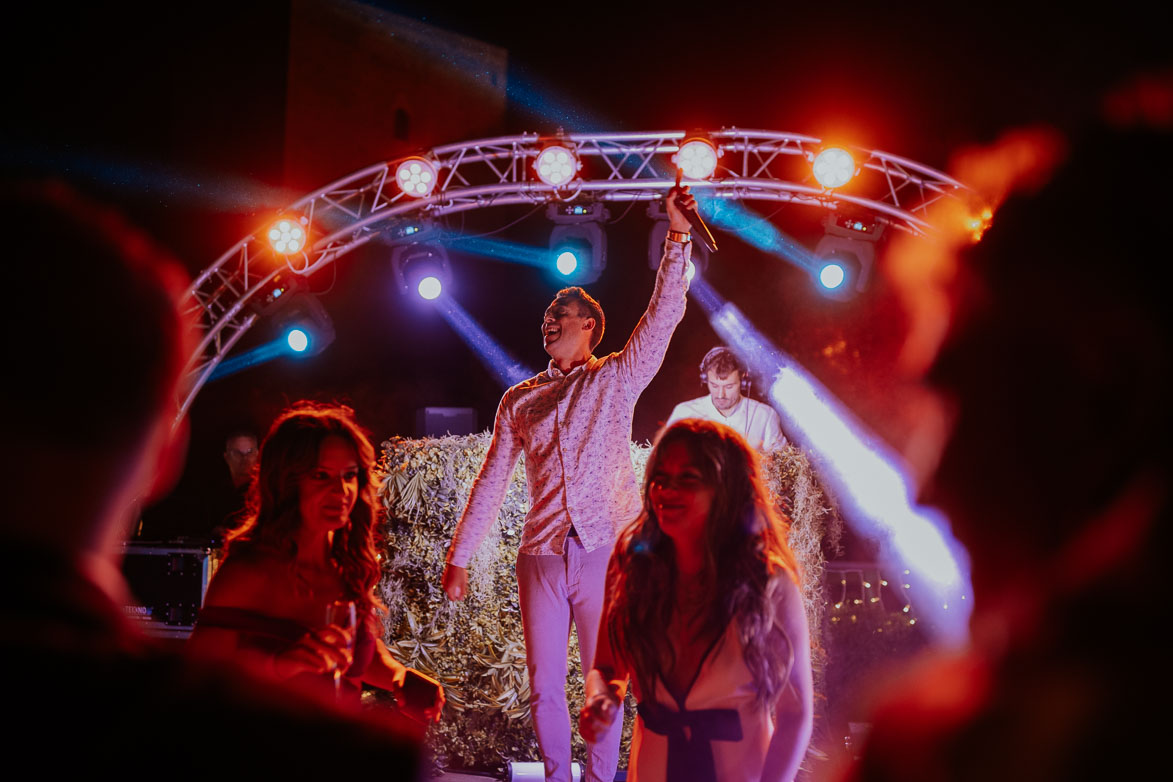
x: 168, y: 582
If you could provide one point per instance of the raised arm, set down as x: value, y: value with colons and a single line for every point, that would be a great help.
x: 794, y: 713
x: 484, y: 501
x: 644, y: 352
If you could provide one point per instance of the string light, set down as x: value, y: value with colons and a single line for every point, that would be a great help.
x: 845, y: 610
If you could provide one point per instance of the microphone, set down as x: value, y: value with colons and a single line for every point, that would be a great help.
x: 698, y: 224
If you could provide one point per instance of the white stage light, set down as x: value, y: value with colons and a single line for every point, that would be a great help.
x: 416, y: 177
x: 298, y: 340
x: 302, y: 325
x: 832, y: 276
x: 421, y: 268
x: 697, y: 158
x: 567, y: 262
x: 556, y: 165
x: 286, y: 236
x: 430, y: 287
x: 833, y: 167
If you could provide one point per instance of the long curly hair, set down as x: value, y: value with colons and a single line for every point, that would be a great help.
x: 272, y: 516
x: 746, y: 556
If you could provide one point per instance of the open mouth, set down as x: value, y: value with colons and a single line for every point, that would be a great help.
x: 550, y: 334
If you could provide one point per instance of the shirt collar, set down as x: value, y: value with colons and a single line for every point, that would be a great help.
x: 721, y: 416
x: 553, y: 371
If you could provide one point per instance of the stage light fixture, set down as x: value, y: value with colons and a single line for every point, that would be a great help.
x: 422, y: 268
x: 832, y: 275
x: 846, y: 253
x: 430, y: 287
x: 657, y: 235
x: 697, y: 158
x: 578, y: 244
x: 280, y: 288
x: 567, y: 261
x: 833, y: 167
x: 304, y: 325
x: 297, y: 339
x: 556, y: 165
x: 578, y: 251
x: 416, y: 177
x: 287, y: 235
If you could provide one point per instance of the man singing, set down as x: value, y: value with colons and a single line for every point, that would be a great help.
x: 726, y: 376
x: 573, y: 423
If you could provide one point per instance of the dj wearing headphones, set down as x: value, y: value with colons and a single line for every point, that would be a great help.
x: 728, y: 380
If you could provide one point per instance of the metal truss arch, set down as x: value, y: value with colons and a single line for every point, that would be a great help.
x: 753, y: 165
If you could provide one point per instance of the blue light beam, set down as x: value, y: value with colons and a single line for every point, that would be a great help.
x: 756, y: 231
x: 255, y: 357
x: 507, y: 370
x: 867, y: 478
x: 500, y: 249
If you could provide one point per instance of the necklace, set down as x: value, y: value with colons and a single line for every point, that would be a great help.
x: 310, y: 580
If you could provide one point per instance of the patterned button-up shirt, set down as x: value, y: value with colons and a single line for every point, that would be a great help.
x: 575, y: 432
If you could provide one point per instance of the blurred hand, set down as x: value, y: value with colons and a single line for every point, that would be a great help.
x: 455, y: 582
x: 597, y: 715
x: 677, y: 200
x: 320, y: 651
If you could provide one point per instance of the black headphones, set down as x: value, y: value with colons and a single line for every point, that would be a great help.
x: 738, y: 366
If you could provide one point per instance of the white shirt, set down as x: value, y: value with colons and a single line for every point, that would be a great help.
x: 757, y: 423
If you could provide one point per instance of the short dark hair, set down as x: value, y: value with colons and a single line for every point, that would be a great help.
x: 593, y: 308
x: 242, y: 431
x: 722, y: 361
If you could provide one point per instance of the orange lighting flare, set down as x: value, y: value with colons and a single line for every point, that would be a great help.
x: 977, y: 224
x: 925, y: 271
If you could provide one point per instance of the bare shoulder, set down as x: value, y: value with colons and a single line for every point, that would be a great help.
x: 246, y: 581
x: 789, y: 608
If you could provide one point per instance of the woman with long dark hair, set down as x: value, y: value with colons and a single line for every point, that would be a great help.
x: 303, y: 562
x: 704, y: 614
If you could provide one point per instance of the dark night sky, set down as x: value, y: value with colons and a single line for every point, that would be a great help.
x: 163, y: 112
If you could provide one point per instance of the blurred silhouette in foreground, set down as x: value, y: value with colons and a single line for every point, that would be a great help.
x: 98, y: 343
x: 1056, y: 477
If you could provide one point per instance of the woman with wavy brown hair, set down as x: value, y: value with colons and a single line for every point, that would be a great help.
x: 704, y: 614
x: 303, y: 563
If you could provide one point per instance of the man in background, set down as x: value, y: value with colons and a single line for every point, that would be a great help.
x: 241, y: 450
x: 727, y: 378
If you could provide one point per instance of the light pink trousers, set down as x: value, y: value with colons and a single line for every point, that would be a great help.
x: 555, y: 590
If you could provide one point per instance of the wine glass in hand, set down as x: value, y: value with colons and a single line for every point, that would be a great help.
x: 341, y: 613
